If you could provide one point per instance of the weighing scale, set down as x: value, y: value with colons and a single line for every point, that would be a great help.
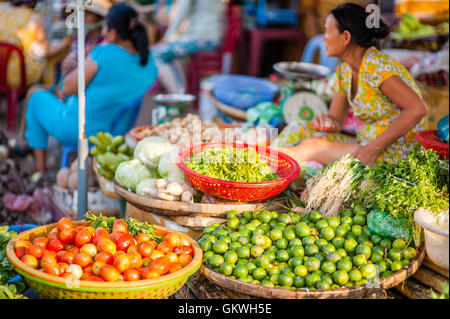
x: 170, y: 106
x: 301, y: 103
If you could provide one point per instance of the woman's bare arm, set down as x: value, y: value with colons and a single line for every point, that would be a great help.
x: 71, y: 80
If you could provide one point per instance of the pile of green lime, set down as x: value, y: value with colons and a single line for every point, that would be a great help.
x: 295, y: 251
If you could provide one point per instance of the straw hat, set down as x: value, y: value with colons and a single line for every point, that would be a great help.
x: 99, y: 7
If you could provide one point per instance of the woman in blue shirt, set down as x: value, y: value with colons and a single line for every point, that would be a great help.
x: 116, y: 73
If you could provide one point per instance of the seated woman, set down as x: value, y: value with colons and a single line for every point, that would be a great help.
x: 22, y: 26
x: 380, y: 91
x: 197, y: 26
x: 116, y: 73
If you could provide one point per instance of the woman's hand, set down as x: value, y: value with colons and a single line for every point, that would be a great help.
x: 325, y: 123
x: 367, y: 154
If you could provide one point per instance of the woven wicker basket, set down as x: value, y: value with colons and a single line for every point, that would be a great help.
x: 55, y: 287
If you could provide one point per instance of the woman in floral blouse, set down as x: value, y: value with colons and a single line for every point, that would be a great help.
x: 381, y: 92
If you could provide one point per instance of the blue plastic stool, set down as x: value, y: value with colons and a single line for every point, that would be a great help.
x: 19, y: 229
x: 314, y: 44
x: 128, y: 115
x: 266, y: 16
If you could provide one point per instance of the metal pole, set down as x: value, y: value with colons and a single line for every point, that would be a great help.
x: 83, y: 145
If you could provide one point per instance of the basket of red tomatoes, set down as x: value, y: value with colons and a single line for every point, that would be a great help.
x: 104, y: 258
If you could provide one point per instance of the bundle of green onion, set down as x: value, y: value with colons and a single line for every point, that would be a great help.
x: 232, y: 164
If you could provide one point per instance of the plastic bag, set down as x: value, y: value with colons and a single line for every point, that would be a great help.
x: 388, y: 226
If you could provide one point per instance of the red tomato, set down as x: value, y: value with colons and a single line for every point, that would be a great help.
x: 172, y: 257
x: 82, y: 259
x: 165, y: 247
x: 22, y: 243
x: 109, y: 273
x: 135, y: 260
x: 133, y: 249
x: 105, y: 257
x: 174, y: 267
x: 122, y: 263
x: 83, y: 237
x: 67, y: 257
x: 49, y: 253
x: 142, y: 238
x: 119, y: 226
x: 41, y: 241
x: 46, y: 261
x: 73, y: 249
x: 149, y: 273
x: 184, y: 240
x: 146, y: 262
x: 131, y: 275
x: 20, y: 252
x: 145, y: 249
x: 113, y: 236
x: 153, y: 243
x: 53, y: 270
x: 67, y: 236
x: 91, y: 229
x: 30, y: 261
x: 86, y: 275
x: 156, y: 254
x: 80, y: 228
x: 64, y: 223
x: 183, y: 250
x: 55, y: 245
x: 62, y: 266
x: 96, y: 267
x: 173, y: 239
x: 161, y: 265
x: 94, y: 278
x: 184, y: 259
x: 36, y: 251
x: 124, y: 241
x: 100, y: 233
x: 53, y: 235
x: 160, y: 233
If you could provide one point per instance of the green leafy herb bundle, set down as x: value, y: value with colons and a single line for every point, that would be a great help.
x: 232, y: 164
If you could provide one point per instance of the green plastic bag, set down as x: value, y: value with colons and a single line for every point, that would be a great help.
x: 264, y: 113
x: 388, y: 226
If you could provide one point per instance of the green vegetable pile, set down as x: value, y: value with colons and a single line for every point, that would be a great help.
x: 299, y: 251
x: 8, y: 290
x: 134, y: 226
x: 421, y: 181
x: 109, y: 151
x: 410, y: 28
x: 232, y: 164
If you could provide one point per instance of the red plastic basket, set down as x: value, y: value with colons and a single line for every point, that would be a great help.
x: 430, y: 140
x: 286, y: 168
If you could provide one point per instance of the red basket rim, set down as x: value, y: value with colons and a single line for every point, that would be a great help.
x: 184, y: 154
x: 421, y: 136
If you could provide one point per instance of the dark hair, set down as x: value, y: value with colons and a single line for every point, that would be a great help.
x: 124, y: 20
x: 352, y: 17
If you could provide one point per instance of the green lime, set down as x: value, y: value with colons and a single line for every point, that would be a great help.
x: 274, y: 279
x: 409, y: 253
x: 213, y: 238
x: 258, y: 231
x: 386, y: 243
x: 350, y: 245
x: 265, y: 228
x: 273, y: 224
x: 328, y: 267
x: 207, y: 255
x: 322, y: 285
x: 334, y: 222
x: 344, y: 265
x: 275, y: 214
x: 342, y: 252
x: 231, y: 257
x: 289, y: 234
x: 285, y: 280
x: 315, y: 216
x: 334, y: 257
x: 359, y: 219
x: 259, y: 273
x: 256, y: 214
x: 338, y: 242
x: 346, y: 220
x: 312, y: 279
x: 382, y: 266
x: 355, y: 275
x: 216, y: 260
x: 312, y: 249
x: 234, y: 245
x: 285, y: 219
x: 243, y: 240
x: 340, y: 231
x: 295, y: 242
x: 250, y: 267
x: 248, y: 215
x: 395, y: 254
x: 357, y: 230
x: 349, y: 284
x: 366, y: 231
x: 274, y: 270
x: 295, y: 261
x: 296, y: 251
x: 220, y: 247
x: 258, y: 240
x: 312, y: 264
x: 282, y: 255
x: 267, y: 283
x: 347, y: 212
x: 270, y: 255
x: 359, y: 209
x: 361, y: 282
x: 367, y: 243
x: 321, y: 242
x: 220, y: 232
x: 301, y: 270
x: 377, y: 257
x: 327, y: 233
x: 263, y: 261
x: 377, y: 250
x: 308, y: 240
x: 233, y: 223
x: 256, y: 251
x: 327, y: 278
x: 240, y: 271
x: 299, y: 282
x: 399, y: 244
x: 243, y: 252
x: 405, y: 262
x: 396, y: 265
x: 340, y: 277
x: 281, y: 243
x: 368, y: 271
x: 265, y: 217
x: 362, y: 238
x: 209, y: 230
x: 226, y: 268
x: 386, y: 274
x: 328, y: 249
x: 321, y: 256
x: 363, y: 250
x: 359, y: 260
x: 302, y: 230
x: 206, y: 245
x: 276, y: 234
x: 234, y: 236
x: 283, y: 267
x: 321, y: 224
x: 226, y: 239
x: 250, y: 227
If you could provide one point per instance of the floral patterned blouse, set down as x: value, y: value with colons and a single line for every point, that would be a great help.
x: 374, y: 109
